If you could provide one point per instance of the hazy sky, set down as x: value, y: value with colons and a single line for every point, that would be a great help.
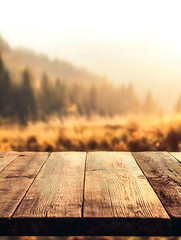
x: 138, y: 40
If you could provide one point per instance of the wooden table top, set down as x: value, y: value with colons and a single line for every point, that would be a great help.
x: 95, y: 193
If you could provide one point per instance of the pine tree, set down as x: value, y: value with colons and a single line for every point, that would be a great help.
x: 150, y: 106
x: 60, y: 98
x: 76, y: 98
x: 93, y: 99
x: 46, y: 97
x: 178, y: 105
x: 27, y: 104
x: 132, y: 99
x: 5, y: 91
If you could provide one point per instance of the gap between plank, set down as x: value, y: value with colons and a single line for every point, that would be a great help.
x: 82, y: 210
x: 30, y: 184
x: 174, y: 157
x: 10, y: 162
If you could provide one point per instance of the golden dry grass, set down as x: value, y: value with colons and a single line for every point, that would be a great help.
x: 133, y: 133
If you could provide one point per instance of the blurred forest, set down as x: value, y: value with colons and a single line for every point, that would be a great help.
x: 24, y: 101
x: 71, y: 109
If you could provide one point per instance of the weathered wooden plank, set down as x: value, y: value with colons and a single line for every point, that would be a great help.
x: 164, y: 174
x: 2, y: 154
x: 16, y: 179
x: 118, y: 199
x: 58, y: 189
x: 56, y: 193
x: 6, y: 158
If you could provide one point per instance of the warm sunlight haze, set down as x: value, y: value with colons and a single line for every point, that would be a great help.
x: 114, y: 63
x: 135, y: 41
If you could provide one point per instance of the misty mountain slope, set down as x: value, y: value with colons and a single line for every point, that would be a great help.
x: 18, y: 59
x: 163, y: 80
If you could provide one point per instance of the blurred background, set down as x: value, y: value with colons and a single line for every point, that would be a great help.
x: 90, y: 75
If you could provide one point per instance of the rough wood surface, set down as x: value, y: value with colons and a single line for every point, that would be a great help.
x: 2, y: 154
x: 58, y: 189
x: 110, y: 193
x: 6, y: 158
x: 15, y: 180
x: 176, y: 155
x: 115, y: 187
x: 164, y: 174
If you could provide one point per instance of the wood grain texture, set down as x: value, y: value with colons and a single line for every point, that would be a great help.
x: 176, y: 155
x: 6, y: 158
x: 58, y: 189
x: 164, y: 174
x: 15, y: 180
x: 116, y: 188
x: 2, y: 154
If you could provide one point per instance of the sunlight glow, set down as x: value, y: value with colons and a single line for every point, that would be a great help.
x: 126, y: 40
x: 23, y: 21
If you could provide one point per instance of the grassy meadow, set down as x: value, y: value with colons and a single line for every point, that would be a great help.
x: 131, y: 133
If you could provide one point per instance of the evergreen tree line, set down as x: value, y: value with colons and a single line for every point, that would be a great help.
x: 23, y: 101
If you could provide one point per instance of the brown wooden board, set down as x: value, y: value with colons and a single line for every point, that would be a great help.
x: 56, y: 196
x: 6, y: 158
x: 15, y: 180
x: 47, y: 196
x: 164, y: 174
x: 118, y: 199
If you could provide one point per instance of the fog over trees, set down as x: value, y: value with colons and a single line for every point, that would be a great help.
x: 22, y: 101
